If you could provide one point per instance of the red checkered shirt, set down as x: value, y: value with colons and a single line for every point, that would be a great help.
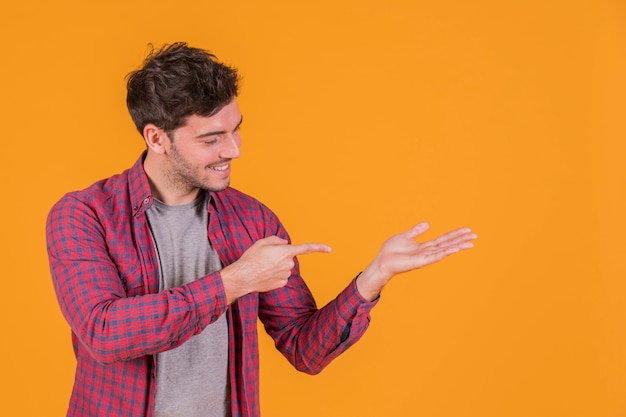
x: 105, y: 273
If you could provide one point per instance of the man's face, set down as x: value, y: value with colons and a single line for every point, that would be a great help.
x: 201, y: 151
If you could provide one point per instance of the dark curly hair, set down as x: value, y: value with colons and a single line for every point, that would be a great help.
x: 177, y: 81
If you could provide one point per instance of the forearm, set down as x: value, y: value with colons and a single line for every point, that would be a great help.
x: 310, y: 339
x: 114, y: 327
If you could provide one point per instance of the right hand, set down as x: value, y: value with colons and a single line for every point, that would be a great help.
x: 264, y: 266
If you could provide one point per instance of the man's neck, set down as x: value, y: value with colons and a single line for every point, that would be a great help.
x: 160, y: 187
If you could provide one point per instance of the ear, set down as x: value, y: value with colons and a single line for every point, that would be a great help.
x: 155, y: 138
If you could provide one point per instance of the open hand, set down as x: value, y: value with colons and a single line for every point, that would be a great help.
x: 402, y: 253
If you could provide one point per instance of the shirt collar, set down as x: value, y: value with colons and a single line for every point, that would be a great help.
x: 139, y: 187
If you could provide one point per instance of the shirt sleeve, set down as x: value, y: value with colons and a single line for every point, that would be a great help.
x: 112, y: 321
x: 310, y: 338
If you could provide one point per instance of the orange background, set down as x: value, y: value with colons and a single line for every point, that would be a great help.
x: 361, y: 118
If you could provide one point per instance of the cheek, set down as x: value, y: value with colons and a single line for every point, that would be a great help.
x: 207, y: 157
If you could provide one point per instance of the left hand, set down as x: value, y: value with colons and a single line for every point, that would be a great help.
x: 401, y: 253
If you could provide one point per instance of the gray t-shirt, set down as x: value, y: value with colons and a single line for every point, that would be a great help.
x: 192, y: 379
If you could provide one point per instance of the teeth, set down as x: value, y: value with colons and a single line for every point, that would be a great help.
x: 221, y: 168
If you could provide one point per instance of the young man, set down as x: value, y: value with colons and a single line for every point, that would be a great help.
x: 162, y: 271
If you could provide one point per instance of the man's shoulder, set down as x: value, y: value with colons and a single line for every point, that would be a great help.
x: 115, y: 190
x: 101, y: 190
x: 239, y: 209
x: 233, y: 195
x: 108, y: 194
x: 232, y: 199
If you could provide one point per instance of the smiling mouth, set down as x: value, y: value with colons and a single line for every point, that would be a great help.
x: 221, y: 166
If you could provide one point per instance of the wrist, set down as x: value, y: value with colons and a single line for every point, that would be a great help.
x: 232, y: 287
x: 371, y: 282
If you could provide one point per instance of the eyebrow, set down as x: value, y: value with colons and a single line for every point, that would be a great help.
x: 218, y: 132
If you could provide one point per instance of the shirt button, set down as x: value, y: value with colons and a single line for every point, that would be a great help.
x: 213, y: 318
x: 146, y: 200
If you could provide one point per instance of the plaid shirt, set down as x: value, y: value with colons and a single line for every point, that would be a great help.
x: 105, y: 273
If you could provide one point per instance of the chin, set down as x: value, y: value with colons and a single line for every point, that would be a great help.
x: 216, y: 187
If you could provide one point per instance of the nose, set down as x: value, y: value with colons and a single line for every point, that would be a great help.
x: 231, y: 147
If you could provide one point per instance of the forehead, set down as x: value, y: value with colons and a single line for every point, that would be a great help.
x: 225, y: 120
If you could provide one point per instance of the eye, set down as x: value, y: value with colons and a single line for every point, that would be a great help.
x: 212, y: 141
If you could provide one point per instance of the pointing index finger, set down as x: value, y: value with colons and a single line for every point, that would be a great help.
x: 305, y: 248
